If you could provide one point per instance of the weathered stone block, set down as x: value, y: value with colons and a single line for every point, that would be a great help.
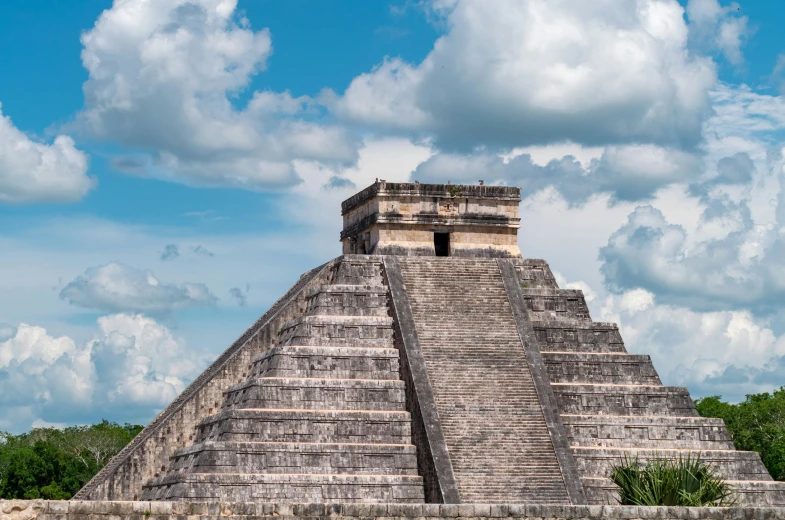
x: 84, y: 507
x: 56, y: 507
x: 431, y: 510
x: 484, y: 510
x: 161, y: 508
x: 545, y: 304
x: 499, y: 510
x: 449, y: 510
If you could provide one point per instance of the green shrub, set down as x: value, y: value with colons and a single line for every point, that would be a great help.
x: 668, y: 482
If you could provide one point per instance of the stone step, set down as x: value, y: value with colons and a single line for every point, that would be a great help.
x: 447, y: 325
x: 440, y: 273
x: 742, y: 465
x: 317, y: 394
x: 348, y: 289
x: 444, y: 336
x: 449, y: 329
x: 441, y: 261
x: 441, y: 279
x: 468, y: 309
x: 436, y: 293
x: 654, y: 432
x: 348, y: 300
x: 600, y: 491
x: 337, y: 331
x: 602, y: 368
x: 587, y: 399
x: 555, y: 304
x: 480, y: 281
x: 299, y: 457
x: 334, y: 426
x: 473, y: 396
x: 266, y: 487
x: 759, y: 493
x: 578, y: 336
x: 327, y: 362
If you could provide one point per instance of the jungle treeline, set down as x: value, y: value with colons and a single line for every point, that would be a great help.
x: 54, y: 463
x: 755, y: 424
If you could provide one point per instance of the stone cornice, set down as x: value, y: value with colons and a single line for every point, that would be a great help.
x: 431, y: 219
x: 445, y: 191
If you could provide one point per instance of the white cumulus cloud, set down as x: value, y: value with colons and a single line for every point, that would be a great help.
x: 521, y: 72
x: 719, y: 27
x: 729, y: 261
x: 132, y: 368
x: 43, y: 372
x: 726, y: 353
x: 31, y: 171
x: 649, y: 252
x: 164, y: 78
x: 138, y: 361
x: 118, y: 287
x: 627, y: 173
x: 729, y: 257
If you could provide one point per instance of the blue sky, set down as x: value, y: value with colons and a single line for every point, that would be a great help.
x: 168, y: 169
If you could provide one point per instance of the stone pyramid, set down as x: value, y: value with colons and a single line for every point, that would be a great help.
x: 428, y: 363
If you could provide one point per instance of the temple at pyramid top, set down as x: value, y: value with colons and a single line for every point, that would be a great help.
x: 413, y: 219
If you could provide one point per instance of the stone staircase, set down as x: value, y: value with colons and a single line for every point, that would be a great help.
x: 493, y: 424
x: 322, y: 416
x: 613, y: 404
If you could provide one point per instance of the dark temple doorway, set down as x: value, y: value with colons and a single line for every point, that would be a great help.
x: 441, y: 242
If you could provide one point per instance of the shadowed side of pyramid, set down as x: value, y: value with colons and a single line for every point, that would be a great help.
x: 331, y: 391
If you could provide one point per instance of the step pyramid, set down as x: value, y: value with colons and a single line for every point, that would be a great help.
x: 391, y: 374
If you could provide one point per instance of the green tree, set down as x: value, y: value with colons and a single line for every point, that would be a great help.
x: 36, y: 472
x: 756, y: 424
x: 54, y: 464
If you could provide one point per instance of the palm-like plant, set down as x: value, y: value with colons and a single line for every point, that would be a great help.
x: 671, y: 482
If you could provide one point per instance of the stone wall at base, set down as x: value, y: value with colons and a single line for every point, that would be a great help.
x: 103, y: 510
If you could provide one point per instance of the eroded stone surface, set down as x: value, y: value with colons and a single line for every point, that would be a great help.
x: 389, y: 218
x: 614, y: 406
x: 320, y: 416
x: 241, y: 510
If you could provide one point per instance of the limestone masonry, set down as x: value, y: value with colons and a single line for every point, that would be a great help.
x: 430, y: 363
x: 426, y: 219
x: 143, y: 510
